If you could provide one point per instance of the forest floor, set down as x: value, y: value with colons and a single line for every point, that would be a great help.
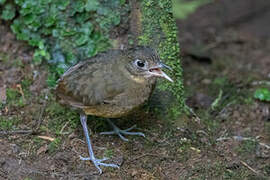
x: 225, y: 56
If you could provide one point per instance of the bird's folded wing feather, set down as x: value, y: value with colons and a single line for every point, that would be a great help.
x: 89, y: 85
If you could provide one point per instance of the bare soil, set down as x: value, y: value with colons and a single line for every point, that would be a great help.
x: 225, y: 49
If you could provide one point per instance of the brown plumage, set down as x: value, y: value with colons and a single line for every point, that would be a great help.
x: 111, y: 85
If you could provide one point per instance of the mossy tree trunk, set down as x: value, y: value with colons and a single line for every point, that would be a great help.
x: 152, y: 24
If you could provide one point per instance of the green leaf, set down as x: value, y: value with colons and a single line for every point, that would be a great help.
x: 15, y: 27
x: 39, y: 54
x: 2, y: 1
x: 77, y: 6
x: 122, y: 2
x: 71, y: 58
x: 87, y: 28
x: 50, y: 20
x: 262, y: 94
x: 37, y: 57
x: 116, y: 19
x: 68, y: 32
x: 62, y: 4
x: 82, y: 40
x: 52, y: 80
x: 91, y: 5
x: 90, y: 49
x: 42, y: 52
x: 29, y: 18
x: 41, y: 45
x: 8, y: 12
x: 55, y: 33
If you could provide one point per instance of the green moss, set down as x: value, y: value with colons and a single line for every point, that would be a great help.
x: 160, y: 32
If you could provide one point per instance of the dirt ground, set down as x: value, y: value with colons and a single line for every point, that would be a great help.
x: 225, y: 49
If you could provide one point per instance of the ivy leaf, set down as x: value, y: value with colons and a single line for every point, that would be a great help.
x: 68, y: 32
x: 51, y: 80
x: 29, y: 18
x: 37, y: 57
x: 41, y: 45
x: 91, y: 5
x: 82, y: 40
x: 262, y: 94
x: 61, y: 68
x: 50, y: 20
x: 116, y: 19
x: 90, y: 49
x: 15, y: 27
x: 62, y: 4
x: 77, y: 6
x: 87, y: 28
x: 8, y: 12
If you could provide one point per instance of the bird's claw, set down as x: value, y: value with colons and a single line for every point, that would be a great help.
x: 98, y: 162
x: 119, y: 132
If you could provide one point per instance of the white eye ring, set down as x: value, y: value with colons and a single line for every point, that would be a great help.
x: 139, y: 63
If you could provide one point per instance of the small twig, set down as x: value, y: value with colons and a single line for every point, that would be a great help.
x: 47, y: 138
x: 250, y: 168
x: 223, y: 139
x: 40, y: 119
x: 62, y: 129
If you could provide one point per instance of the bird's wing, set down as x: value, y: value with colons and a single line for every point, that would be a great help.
x: 89, y: 84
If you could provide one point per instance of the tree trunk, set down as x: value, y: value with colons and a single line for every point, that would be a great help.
x: 152, y: 24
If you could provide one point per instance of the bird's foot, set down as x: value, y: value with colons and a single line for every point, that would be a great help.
x: 98, y: 162
x: 119, y: 132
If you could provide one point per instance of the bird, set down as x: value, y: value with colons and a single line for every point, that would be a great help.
x: 111, y: 85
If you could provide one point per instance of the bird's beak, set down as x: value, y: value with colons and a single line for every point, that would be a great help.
x: 156, y: 71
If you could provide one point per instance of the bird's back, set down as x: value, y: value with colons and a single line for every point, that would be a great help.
x: 100, y: 88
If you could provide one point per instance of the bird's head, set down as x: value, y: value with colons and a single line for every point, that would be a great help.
x: 145, y: 62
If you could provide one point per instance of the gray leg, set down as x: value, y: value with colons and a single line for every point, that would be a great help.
x: 97, y: 162
x: 119, y: 132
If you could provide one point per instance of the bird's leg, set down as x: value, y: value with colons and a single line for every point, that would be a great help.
x: 119, y: 132
x: 97, y: 162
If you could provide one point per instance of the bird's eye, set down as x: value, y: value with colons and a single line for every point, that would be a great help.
x: 139, y: 63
